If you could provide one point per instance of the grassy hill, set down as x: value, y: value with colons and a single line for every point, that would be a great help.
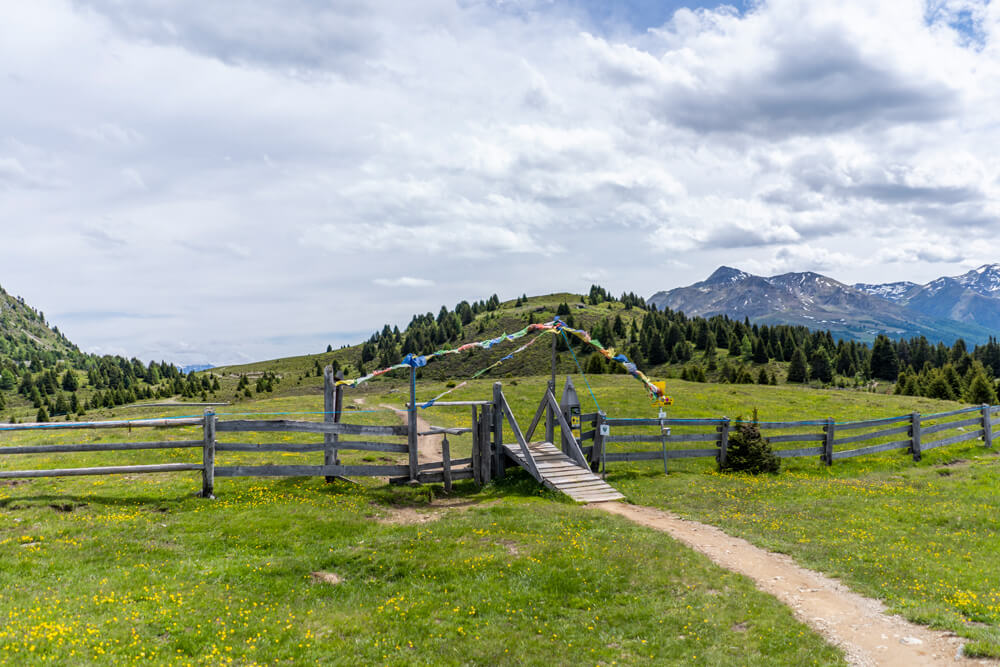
x: 24, y: 333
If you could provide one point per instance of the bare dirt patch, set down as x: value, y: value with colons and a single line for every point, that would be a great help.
x: 859, y: 625
x: 425, y: 514
x: 326, y: 578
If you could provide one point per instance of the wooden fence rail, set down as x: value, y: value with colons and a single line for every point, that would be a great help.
x: 914, y: 427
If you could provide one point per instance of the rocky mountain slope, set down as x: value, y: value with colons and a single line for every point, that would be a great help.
x: 820, y: 302
x: 973, y: 297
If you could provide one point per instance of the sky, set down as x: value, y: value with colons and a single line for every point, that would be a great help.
x: 248, y: 179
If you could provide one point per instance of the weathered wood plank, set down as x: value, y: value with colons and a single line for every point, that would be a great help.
x: 936, y: 428
x: 613, y: 457
x: 443, y: 430
x: 796, y: 437
x: 73, y: 426
x: 851, y: 426
x: 101, y: 447
x: 962, y: 437
x: 446, y: 464
x: 439, y: 477
x: 411, y: 422
x: 803, y: 451
x: 830, y: 431
x: 107, y: 470
x: 208, y: 455
x: 987, y: 426
x: 942, y: 415
x: 680, y: 437
x: 874, y: 434
x: 359, y: 445
x: 290, y: 426
x: 444, y: 404
x: 873, y: 449
x: 588, y: 435
x: 436, y: 465
x: 312, y: 471
x: 663, y: 422
x: 766, y: 426
x: 915, y: 436
x: 724, y: 442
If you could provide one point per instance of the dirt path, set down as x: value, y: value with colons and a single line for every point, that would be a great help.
x: 859, y: 625
x: 428, y: 446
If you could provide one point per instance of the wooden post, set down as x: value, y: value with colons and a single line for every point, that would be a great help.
x: 550, y: 421
x: 485, y: 456
x: 723, y: 442
x: 476, y: 433
x: 208, y: 456
x: 664, y: 432
x: 915, y: 435
x: 499, y: 464
x: 333, y: 401
x: 828, y: 444
x: 597, y: 452
x: 411, y: 436
x: 446, y: 463
x: 987, y: 427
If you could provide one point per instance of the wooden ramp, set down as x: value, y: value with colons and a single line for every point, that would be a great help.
x: 561, y: 473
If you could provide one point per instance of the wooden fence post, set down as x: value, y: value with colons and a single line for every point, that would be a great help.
x: 597, y: 452
x: 987, y: 426
x: 208, y: 456
x: 411, y: 436
x: 723, y: 442
x: 333, y: 401
x: 499, y: 464
x: 829, y: 429
x: 446, y: 463
x: 476, y: 434
x: 485, y: 455
x: 915, y: 435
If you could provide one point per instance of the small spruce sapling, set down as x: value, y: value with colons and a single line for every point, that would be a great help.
x: 748, y: 451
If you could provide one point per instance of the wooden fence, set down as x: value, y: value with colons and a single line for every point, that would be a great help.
x: 825, y: 439
x: 211, y: 447
x: 612, y: 440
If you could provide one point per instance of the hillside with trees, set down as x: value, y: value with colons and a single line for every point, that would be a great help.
x: 663, y: 343
x: 44, y: 376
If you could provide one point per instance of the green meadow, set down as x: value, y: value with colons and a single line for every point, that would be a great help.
x: 135, y: 568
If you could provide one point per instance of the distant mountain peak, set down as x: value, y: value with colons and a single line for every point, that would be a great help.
x: 984, y: 280
x: 861, y: 311
x: 727, y: 274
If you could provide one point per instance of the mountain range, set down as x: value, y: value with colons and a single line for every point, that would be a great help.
x: 966, y: 306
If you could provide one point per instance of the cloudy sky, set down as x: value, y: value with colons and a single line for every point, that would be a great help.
x: 237, y: 180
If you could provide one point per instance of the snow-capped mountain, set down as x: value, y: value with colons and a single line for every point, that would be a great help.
x: 891, y: 291
x: 819, y: 302
x: 972, y: 297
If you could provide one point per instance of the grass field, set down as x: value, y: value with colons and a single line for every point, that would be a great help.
x: 121, y: 569
x: 135, y: 568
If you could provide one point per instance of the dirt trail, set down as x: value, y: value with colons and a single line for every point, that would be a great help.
x: 859, y: 625
x: 428, y: 446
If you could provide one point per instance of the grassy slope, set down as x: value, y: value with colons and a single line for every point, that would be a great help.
x: 123, y: 569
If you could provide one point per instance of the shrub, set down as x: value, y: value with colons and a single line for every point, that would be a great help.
x: 749, y: 451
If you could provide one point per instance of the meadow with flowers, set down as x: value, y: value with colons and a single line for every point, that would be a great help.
x: 135, y: 568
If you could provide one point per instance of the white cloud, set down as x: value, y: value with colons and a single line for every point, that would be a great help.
x: 210, y: 160
x: 403, y: 281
